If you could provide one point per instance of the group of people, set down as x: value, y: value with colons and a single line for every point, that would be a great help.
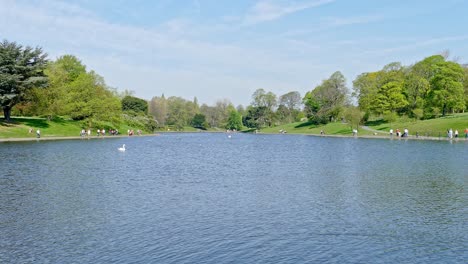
x: 99, y: 132
x: 399, y: 134
x: 130, y: 132
x: 454, y: 134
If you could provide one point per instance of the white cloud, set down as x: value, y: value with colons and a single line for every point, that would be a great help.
x: 170, y: 60
x: 268, y: 10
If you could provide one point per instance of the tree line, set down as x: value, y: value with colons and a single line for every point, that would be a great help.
x: 31, y: 85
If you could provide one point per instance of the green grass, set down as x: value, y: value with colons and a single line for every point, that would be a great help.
x: 19, y: 127
x: 431, y: 127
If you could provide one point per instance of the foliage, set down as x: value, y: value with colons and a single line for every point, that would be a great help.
x: 158, y: 109
x: 134, y: 104
x: 256, y: 117
x: 353, y: 116
x: 234, y: 121
x: 21, y: 69
x: 199, y: 121
x: 325, y: 103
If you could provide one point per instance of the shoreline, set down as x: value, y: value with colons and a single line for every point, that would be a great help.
x: 410, y: 137
x: 45, y: 138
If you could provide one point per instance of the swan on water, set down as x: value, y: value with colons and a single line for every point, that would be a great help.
x: 122, y: 148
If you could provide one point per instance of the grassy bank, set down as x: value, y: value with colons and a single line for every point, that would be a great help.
x: 20, y: 126
x: 430, y: 128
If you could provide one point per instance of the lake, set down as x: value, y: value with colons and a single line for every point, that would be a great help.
x: 207, y: 198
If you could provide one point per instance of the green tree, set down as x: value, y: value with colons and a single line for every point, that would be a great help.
x: 199, y: 121
x: 292, y: 103
x: 447, y: 87
x: 21, y: 69
x: 131, y: 103
x: 327, y: 100
x: 88, y: 98
x: 255, y: 117
x: 177, y: 113
x: 234, y: 121
x: 416, y: 89
x: 353, y: 116
x: 390, y: 98
x: 158, y: 109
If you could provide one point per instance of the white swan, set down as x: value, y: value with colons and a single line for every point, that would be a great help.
x: 122, y: 148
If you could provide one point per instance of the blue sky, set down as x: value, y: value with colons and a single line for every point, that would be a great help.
x: 215, y: 49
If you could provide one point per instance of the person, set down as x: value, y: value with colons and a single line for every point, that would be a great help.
x: 103, y: 132
x: 98, y: 132
x: 397, y: 132
x: 450, y: 133
x: 391, y: 132
x: 30, y: 130
x: 89, y: 132
x: 456, y: 133
x: 38, y: 133
x: 466, y: 133
x: 354, y: 132
x: 321, y: 132
x: 405, y: 133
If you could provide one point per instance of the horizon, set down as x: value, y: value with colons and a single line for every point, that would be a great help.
x: 216, y: 50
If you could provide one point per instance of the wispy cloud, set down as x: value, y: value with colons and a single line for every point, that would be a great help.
x: 175, y: 60
x: 345, y: 21
x: 268, y: 10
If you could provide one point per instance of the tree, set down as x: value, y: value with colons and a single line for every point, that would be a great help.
x: 390, y: 98
x: 291, y: 102
x: 265, y: 102
x: 365, y: 88
x: 326, y: 101
x: 21, y: 68
x: 255, y: 117
x: 158, y: 109
x: 177, y: 113
x: 88, y: 98
x: 353, y: 116
x: 416, y: 89
x: 131, y: 103
x: 234, y: 121
x: 447, y: 87
x: 199, y: 121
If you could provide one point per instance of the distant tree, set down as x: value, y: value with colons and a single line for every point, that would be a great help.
x: 158, y: 109
x: 416, y: 89
x: 265, y: 102
x: 292, y: 102
x: 234, y: 121
x: 447, y: 87
x: 353, y: 116
x: 21, y: 69
x: 365, y: 88
x: 327, y: 100
x: 177, y: 114
x: 199, y: 121
x: 390, y: 98
x: 131, y: 103
x: 88, y: 98
x: 255, y: 117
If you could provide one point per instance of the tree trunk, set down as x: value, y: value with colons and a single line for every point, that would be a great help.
x: 7, y: 113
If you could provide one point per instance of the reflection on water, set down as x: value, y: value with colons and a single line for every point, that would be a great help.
x: 207, y: 198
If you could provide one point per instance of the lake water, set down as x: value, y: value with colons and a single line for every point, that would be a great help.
x: 207, y: 198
